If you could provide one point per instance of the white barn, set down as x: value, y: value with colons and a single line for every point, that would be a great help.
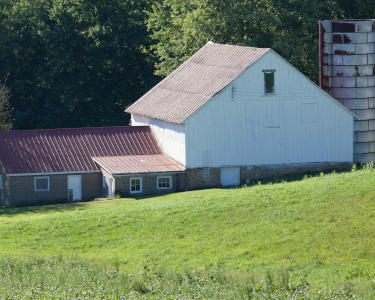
x: 232, y: 113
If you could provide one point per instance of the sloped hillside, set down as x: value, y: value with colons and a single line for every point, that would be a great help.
x: 318, y: 230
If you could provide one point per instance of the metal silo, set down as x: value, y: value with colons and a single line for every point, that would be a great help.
x: 347, y: 72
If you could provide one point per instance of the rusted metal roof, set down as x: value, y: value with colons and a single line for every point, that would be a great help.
x: 70, y: 150
x: 131, y: 164
x: 195, y: 82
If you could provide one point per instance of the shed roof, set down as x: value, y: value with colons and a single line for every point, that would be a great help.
x: 139, y: 164
x: 71, y: 150
x: 195, y: 82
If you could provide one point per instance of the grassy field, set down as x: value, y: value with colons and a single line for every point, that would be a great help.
x: 310, y: 238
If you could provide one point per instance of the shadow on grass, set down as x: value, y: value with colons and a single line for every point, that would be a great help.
x: 292, y: 177
x: 254, y: 182
x: 46, y: 208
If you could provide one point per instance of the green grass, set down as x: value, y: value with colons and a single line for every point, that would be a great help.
x: 319, y: 231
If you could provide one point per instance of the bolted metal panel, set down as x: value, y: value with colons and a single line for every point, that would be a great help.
x: 339, y: 70
x: 365, y: 157
x: 362, y: 147
x: 365, y: 136
x: 354, y: 60
x: 343, y: 49
x: 343, y: 81
x: 365, y: 114
x: 364, y: 48
x: 371, y: 102
x: 361, y: 125
x: 347, y: 72
x: 371, y: 37
x: 371, y: 59
x: 371, y: 125
x: 356, y: 103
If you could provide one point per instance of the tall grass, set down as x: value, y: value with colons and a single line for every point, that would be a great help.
x: 67, y: 279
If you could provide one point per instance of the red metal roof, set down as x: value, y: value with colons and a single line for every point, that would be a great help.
x: 139, y: 164
x: 195, y: 82
x: 68, y: 150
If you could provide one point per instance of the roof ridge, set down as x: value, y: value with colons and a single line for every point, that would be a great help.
x: 230, y: 45
x: 70, y: 129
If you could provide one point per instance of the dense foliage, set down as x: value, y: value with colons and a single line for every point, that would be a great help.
x: 5, y: 112
x: 72, y: 63
x: 288, y: 26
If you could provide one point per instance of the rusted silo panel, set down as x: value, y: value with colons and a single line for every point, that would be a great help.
x: 347, y: 72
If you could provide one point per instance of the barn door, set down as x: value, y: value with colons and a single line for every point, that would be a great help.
x: 230, y: 176
x: 74, y: 188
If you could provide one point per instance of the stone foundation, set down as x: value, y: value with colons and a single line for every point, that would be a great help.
x: 210, y: 177
x: 273, y: 171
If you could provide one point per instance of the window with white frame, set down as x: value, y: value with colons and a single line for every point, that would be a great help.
x: 41, y: 184
x: 164, y: 182
x: 136, y: 185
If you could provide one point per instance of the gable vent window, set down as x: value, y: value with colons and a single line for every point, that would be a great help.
x: 269, y: 81
x: 164, y: 182
x: 41, y: 184
x: 136, y: 185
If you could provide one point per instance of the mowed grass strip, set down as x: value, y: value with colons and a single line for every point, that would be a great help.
x: 320, y: 228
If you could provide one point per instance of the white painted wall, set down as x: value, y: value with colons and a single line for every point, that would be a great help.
x: 171, y: 137
x: 241, y: 126
x: 137, y: 120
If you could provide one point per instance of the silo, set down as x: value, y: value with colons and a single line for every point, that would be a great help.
x: 347, y: 72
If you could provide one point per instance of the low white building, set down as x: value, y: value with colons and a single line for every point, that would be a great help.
x: 232, y: 113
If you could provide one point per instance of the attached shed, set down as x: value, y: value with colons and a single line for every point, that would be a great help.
x: 47, y: 166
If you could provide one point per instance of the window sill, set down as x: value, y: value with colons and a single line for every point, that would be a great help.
x: 164, y: 188
x: 135, y: 192
x: 269, y: 95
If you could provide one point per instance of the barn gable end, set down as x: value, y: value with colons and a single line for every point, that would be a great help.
x: 241, y: 126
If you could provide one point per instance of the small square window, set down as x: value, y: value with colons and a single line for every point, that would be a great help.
x: 164, y: 182
x: 41, y: 184
x: 269, y: 82
x: 136, y: 185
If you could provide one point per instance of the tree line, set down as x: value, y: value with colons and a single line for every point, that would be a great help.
x: 72, y: 63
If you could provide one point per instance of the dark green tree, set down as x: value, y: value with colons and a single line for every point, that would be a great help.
x: 290, y: 27
x: 74, y: 63
x: 5, y: 110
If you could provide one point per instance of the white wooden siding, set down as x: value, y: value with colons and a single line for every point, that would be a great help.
x: 171, y: 137
x: 241, y: 126
x: 137, y: 120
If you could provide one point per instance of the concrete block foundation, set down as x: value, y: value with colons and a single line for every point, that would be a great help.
x: 198, y: 178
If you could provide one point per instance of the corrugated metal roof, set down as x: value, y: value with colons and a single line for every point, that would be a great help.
x: 139, y: 164
x: 195, y: 82
x: 66, y: 150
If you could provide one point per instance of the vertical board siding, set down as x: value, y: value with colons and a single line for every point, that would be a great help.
x: 171, y: 137
x: 241, y: 126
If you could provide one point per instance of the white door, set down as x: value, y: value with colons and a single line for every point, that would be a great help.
x: 110, y: 188
x: 74, y: 188
x: 230, y: 176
